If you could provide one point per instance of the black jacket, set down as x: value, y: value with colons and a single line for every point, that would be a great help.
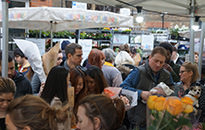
x: 23, y: 86
x: 202, y: 104
x: 2, y: 124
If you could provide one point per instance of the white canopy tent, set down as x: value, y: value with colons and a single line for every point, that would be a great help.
x: 57, y: 19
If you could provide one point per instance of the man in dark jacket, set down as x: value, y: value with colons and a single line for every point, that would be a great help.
x: 23, y: 85
x: 170, y: 65
x: 142, y: 79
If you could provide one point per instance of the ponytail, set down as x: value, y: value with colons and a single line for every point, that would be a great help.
x: 120, y: 108
x: 34, y: 112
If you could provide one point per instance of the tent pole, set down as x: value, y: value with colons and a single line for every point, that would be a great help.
x: 77, y: 32
x: 201, y: 47
x: 162, y: 15
x: 5, y: 38
x: 191, y: 50
x: 27, y: 5
x: 51, y: 30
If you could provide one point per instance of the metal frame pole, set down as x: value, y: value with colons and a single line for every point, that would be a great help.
x: 51, y: 33
x: 191, y: 50
x: 201, y: 47
x: 77, y: 32
x: 4, y: 62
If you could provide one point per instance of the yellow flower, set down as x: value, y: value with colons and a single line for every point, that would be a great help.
x: 187, y: 104
x: 166, y: 112
x: 151, y: 102
x: 174, y: 105
x: 187, y: 100
x: 106, y: 28
x: 188, y: 108
x: 159, y: 103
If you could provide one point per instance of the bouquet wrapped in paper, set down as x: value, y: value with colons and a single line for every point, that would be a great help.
x: 129, y: 97
x: 169, y: 113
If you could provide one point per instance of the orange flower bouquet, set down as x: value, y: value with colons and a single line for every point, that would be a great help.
x: 169, y: 113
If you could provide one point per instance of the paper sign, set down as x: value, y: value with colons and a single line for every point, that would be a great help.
x: 120, y: 39
x: 147, y: 42
x: 79, y: 5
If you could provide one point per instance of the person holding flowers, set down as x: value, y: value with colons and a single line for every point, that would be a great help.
x: 142, y: 79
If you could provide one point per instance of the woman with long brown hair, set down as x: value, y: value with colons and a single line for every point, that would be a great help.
x: 96, y: 80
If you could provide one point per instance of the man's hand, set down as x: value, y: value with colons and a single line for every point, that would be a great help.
x: 145, y: 95
x: 157, y: 91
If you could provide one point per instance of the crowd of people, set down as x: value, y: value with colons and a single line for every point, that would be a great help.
x: 27, y: 103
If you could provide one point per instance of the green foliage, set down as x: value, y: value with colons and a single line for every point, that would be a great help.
x: 95, y: 36
x: 163, y: 120
x: 174, y: 33
x: 67, y: 34
x: 127, y: 31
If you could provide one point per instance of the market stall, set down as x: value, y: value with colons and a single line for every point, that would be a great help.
x: 58, y: 19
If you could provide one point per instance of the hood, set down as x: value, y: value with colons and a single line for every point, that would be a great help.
x: 124, y: 69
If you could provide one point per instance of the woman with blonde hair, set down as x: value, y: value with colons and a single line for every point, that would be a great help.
x: 33, y: 113
x: 124, y: 63
x: 188, y: 76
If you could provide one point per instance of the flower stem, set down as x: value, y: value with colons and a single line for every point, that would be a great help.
x: 157, y: 128
x: 165, y: 125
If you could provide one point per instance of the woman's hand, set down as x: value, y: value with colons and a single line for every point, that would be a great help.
x: 41, y: 89
x: 125, y: 100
